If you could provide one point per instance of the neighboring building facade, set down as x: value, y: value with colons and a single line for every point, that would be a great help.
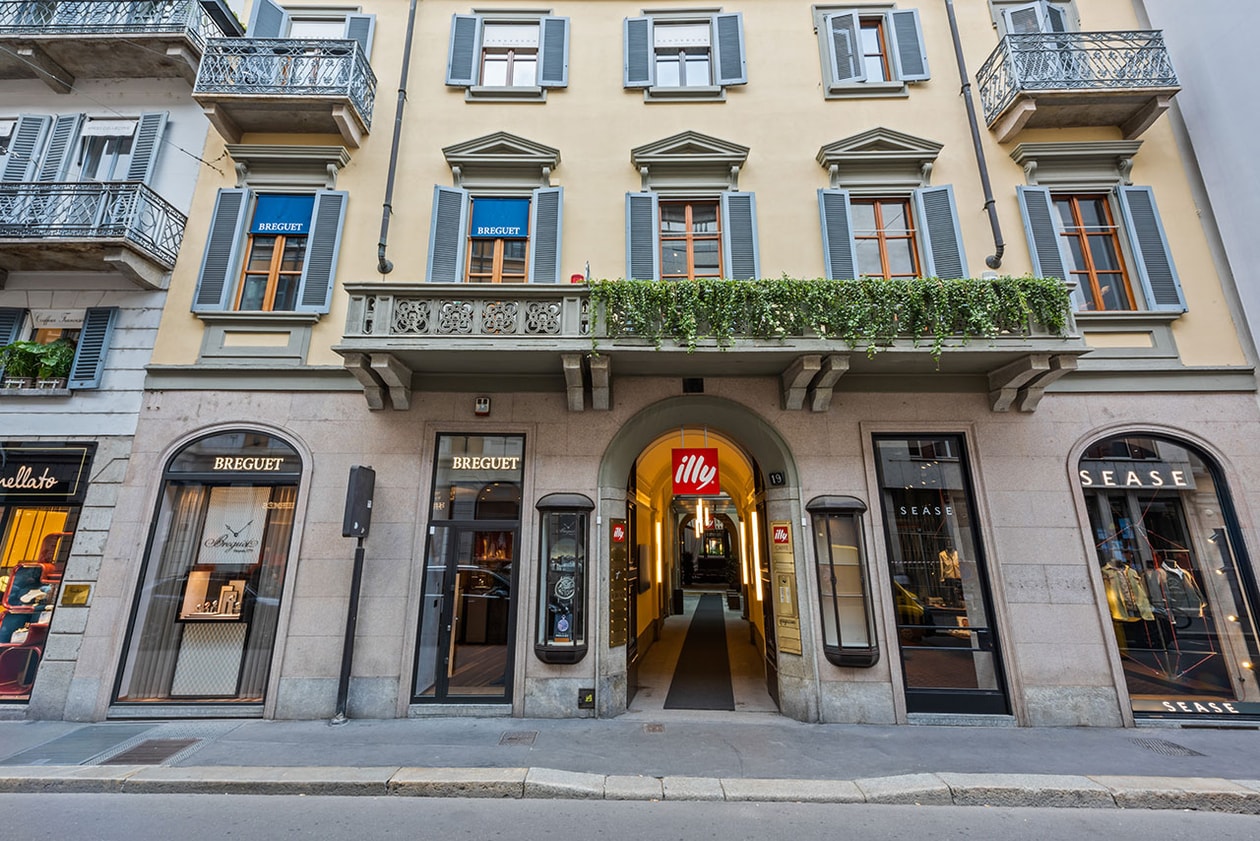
x: 1047, y: 527
x: 100, y: 147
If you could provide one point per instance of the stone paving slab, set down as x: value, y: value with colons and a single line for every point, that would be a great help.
x: 1040, y: 790
x: 550, y: 784
x: 906, y: 789
x: 90, y: 779
x: 692, y: 788
x: 260, y: 780
x: 792, y: 791
x: 1204, y: 793
x: 459, y: 782
x: 633, y: 788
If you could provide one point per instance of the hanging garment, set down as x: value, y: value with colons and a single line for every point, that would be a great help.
x: 1126, y: 594
x: 1183, y: 593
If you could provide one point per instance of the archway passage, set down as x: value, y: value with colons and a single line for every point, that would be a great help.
x: 698, y: 618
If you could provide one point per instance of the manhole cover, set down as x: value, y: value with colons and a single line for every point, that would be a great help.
x: 150, y: 752
x: 519, y: 737
x: 1166, y: 748
x: 654, y: 728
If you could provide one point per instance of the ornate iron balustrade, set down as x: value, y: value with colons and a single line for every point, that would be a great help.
x: 1061, y: 61
x: 542, y: 312
x: 93, y: 211
x: 108, y: 17
x: 300, y: 67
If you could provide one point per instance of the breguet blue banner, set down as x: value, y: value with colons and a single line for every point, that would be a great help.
x: 500, y: 219
x: 281, y: 214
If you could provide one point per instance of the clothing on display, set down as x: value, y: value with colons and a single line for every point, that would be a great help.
x: 1126, y: 593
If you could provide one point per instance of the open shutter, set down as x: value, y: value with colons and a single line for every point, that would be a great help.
x: 448, y: 233
x: 908, y: 47
x: 637, y: 35
x: 223, y: 246
x: 553, y: 57
x: 361, y: 28
x: 11, y: 321
x: 545, y: 213
x: 1023, y: 20
x: 89, y: 355
x: 1149, y: 245
x: 730, y: 63
x: 739, y: 246
x: 461, y: 63
x: 942, y: 237
x: 839, y: 249
x: 1042, y: 229
x: 28, y: 137
x: 60, y: 147
x: 643, y: 226
x: 1056, y: 18
x: 144, y: 149
x: 269, y: 20
x: 844, y: 48
x: 322, y: 244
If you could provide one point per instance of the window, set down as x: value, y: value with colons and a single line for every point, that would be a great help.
x: 508, y: 57
x: 271, y: 20
x: 684, y: 55
x: 495, y: 240
x: 691, y: 240
x: 498, y: 241
x: 91, y: 341
x: 1100, y: 241
x: 915, y: 235
x: 1024, y: 18
x: 883, y: 232
x: 257, y: 259
x: 870, y: 50
x: 76, y: 147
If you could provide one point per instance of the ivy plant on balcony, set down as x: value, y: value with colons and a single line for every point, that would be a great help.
x: 868, y: 313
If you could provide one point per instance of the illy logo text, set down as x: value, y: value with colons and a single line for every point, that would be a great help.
x: 780, y: 534
x: 693, y: 471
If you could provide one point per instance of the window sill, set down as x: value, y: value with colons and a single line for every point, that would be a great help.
x: 1128, y: 334
x: 867, y: 90
x: 691, y: 93
x: 486, y: 93
x: 22, y: 393
x: 257, y: 338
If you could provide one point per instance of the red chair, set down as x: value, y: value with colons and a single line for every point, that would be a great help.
x: 18, y: 664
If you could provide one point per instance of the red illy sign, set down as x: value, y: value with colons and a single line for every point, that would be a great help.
x: 696, y: 471
x: 782, y: 536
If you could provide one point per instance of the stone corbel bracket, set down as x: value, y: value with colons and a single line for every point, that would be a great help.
x: 1023, y: 382
x: 811, y: 379
x: 582, y: 371
x: 385, y: 379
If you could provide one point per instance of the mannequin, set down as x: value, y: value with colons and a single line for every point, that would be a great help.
x: 1126, y: 592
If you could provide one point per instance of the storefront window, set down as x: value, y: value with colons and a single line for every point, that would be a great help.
x: 949, y: 651
x: 209, y: 601
x: 1180, y: 596
x: 42, y: 487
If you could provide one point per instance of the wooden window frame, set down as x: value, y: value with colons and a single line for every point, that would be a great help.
x: 1088, y: 276
x: 881, y: 236
x: 274, y: 272
x: 876, y: 23
x: 689, y: 237
x: 500, y: 247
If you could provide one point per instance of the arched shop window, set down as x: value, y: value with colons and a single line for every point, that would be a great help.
x: 1175, y: 575
x: 209, y: 600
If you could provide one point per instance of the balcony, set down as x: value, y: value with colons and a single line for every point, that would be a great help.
x: 287, y: 85
x: 402, y: 338
x: 89, y: 226
x: 1072, y: 79
x: 58, y: 41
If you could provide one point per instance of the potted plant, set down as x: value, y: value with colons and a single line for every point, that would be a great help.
x: 54, y: 364
x: 20, y: 362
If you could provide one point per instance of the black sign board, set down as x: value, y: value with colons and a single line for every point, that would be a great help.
x: 45, y: 473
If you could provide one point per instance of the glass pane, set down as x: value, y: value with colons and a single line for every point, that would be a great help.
x: 254, y: 292
x: 481, y: 256
x: 894, y: 217
x: 901, y: 257
x: 286, y: 293
x: 562, y: 620
x: 1093, y: 214
x: 698, y: 69
x: 673, y: 218
x: 494, y: 71
x: 1075, y: 253
x: 869, y: 262
x: 704, y: 218
x: 1064, y: 207
x: 433, y: 605
x: 478, y: 477
x: 874, y: 68
x: 708, y: 259
x: 1102, y: 247
x: 482, y: 608
x: 674, y: 258
x: 870, y: 40
x: 668, y: 70
x: 863, y: 217
x: 260, y: 253
x: 525, y: 71
x: 514, y: 258
x: 294, y: 254
x: 1111, y: 290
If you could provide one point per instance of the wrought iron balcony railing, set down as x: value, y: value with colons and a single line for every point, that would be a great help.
x: 108, y: 17
x: 126, y: 210
x: 298, y: 67
x: 1073, y: 61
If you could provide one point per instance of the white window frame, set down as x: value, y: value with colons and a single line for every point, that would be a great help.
x: 645, y: 25
x: 467, y: 36
x: 1001, y: 9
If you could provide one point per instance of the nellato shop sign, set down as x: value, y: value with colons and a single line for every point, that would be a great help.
x: 44, y: 473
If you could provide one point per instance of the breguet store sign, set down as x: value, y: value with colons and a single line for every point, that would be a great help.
x: 36, y: 474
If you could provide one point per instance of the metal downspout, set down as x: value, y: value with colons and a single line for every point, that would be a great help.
x: 383, y: 265
x: 994, y: 260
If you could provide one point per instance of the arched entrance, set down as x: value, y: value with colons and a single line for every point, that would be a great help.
x: 693, y: 484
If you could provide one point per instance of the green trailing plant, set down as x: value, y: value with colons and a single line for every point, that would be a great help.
x: 867, y: 313
x: 55, y: 361
x: 36, y: 359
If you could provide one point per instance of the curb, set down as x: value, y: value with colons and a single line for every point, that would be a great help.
x: 941, y: 789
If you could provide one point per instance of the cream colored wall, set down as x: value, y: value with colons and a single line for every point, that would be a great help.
x: 780, y: 115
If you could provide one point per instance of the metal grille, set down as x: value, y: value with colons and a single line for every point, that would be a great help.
x: 654, y: 728
x: 97, y: 17
x: 79, y: 746
x: 150, y: 752
x: 519, y: 737
x: 1166, y: 748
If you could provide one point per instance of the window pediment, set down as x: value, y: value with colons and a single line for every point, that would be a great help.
x: 1085, y: 164
x: 690, y: 160
x: 501, y: 160
x: 275, y: 165
x: 881, y: 157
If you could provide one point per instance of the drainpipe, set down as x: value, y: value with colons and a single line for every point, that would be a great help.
x: 383, y: 265
x: 994, y: 260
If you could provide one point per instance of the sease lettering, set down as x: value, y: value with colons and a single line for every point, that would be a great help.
x: 1199, y: 707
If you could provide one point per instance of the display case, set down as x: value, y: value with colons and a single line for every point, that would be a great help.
x: 213, y: 594
x: 848, y: 630
x: 561, y: 636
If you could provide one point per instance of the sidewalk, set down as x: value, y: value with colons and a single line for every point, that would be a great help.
x: 670, y: 756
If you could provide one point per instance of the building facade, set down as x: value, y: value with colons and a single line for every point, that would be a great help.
x: 1020, y: 490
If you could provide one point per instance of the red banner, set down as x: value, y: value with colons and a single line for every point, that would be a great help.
x: 696, y: 471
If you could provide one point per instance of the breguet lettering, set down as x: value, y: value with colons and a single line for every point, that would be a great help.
x: 247, y: 463
x: 26, y: 480
x: 485, y: 462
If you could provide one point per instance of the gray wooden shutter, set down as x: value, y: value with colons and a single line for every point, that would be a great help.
x: 322, y: 245
x: 553, y: 56
x: 545, y: 224
x: 61, y: 143
x: 461, y: 63
x: 145, y: 146
x: 844, y: 48
x: 24, y: 146
x: 1056, y: 18
x: 361, y: 28
x: 1041, y: 226
x: 11, y: 321
x: 730, y: 64
x: 89, y: 355
x: 448, y: 234
x: 908, y: 49
x: 223, y: 247
x: 839, y: 249
x: 942, y: 237
x: 639, y: 67
x: 643, y: 226
x: 1023, y: 20
x: 269, y: 20
x: 739, y: 244
x: 1149, y: 245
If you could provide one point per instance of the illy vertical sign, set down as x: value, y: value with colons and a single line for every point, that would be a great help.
x: 696, y: 470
